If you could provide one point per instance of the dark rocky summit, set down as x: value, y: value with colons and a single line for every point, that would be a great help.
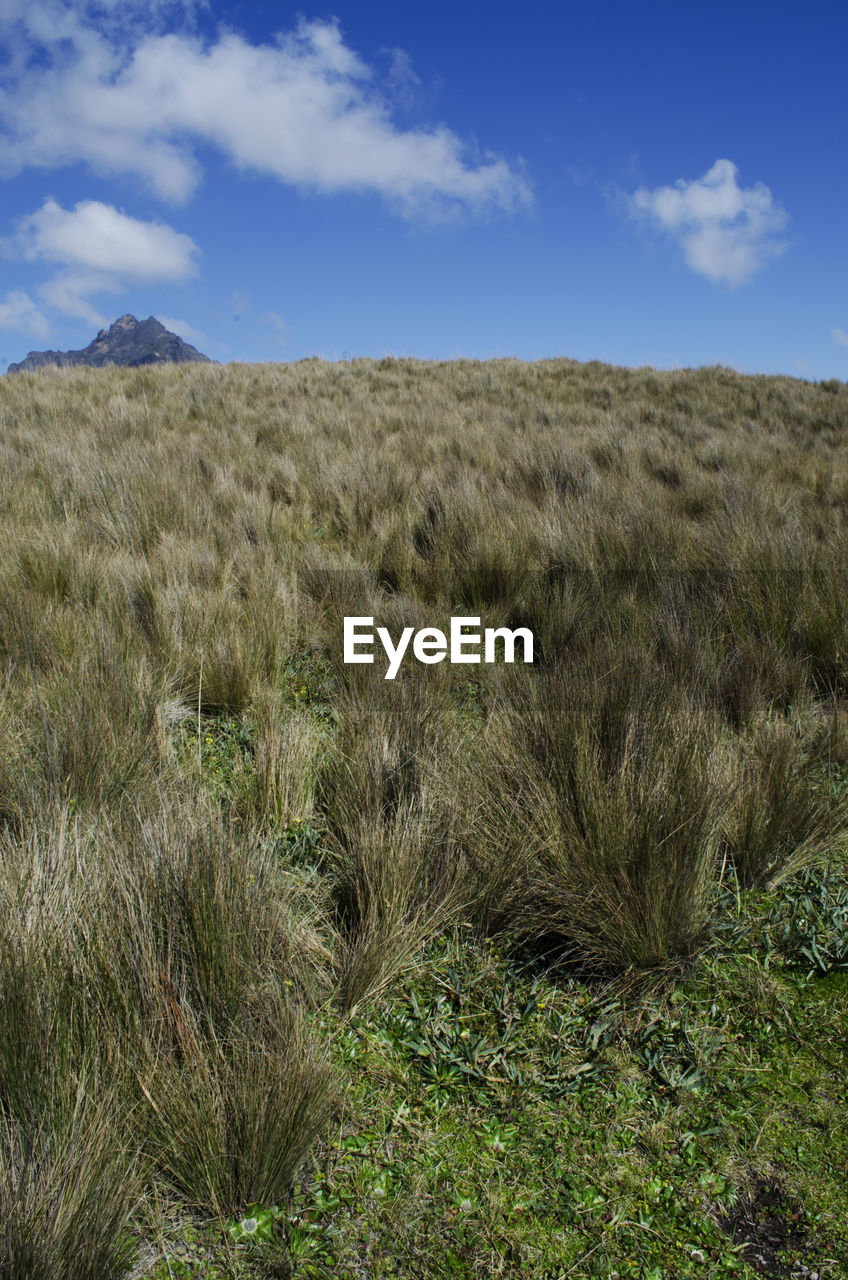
x: 129, y: 342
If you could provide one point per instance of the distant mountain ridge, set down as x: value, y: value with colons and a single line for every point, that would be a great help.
x: 128, y: 342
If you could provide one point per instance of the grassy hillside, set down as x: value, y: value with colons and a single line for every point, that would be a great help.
x: 497, y: 970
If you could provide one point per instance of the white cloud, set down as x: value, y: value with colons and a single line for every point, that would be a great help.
x: 99, y: 238
x: 304, y: 109
x: 18, y: 311
x: 185, y: 330
x: 840, y: 337
x: 69, y: 292
x: 727, y: 232
x: 99, y: 250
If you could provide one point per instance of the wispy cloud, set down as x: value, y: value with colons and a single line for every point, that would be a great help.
x: 184, y: 329
x: 71, y: 292
x: 840, y: 337
x: 282, y: 332
x: 98, y: 250
x: 18, y: 311
x: 727, y: 232
x: 403, y: 80
x: 305, y: 109
x: 240, y: 303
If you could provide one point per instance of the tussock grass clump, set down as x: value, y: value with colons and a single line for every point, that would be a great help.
x: 614, y: 797
x: 788, y: 814
x: 394, y: 829
x: 208, y: 980
x: 235, y: 1112
x: 91, y: 732
x: 70, y: 1168
x: 155, y: 1024
x: 287, y: 753
x: 68, y: 1185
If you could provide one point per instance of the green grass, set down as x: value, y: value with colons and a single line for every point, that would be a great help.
x: 503, y: 1119
x: 484, y: 971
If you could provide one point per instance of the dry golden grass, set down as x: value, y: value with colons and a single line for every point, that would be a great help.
x: 178, y: 547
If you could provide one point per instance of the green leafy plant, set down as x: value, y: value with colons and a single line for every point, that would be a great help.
x: 256, y: 1226
x: 813, y: 932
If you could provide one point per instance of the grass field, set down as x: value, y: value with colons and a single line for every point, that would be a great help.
x: 501, y: 970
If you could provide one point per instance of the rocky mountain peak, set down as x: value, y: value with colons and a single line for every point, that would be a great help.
x: 128, y: 342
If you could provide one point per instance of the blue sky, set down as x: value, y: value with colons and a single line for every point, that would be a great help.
x: 658, y: 184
